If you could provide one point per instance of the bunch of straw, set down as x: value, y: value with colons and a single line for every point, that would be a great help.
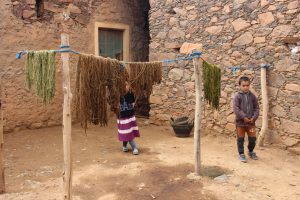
x: 143, y: 75
x: 98, y: 80
x: 40, y: 71
x: 212, y: 84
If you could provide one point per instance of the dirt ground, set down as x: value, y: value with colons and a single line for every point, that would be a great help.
x: 101, y: 171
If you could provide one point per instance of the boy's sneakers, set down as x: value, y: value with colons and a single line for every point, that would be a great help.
x: 253, y: 155
x: 135, y: 151
x: 242, y: 158
x: 125, y: 149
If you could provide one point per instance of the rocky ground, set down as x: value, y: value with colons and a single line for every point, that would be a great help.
x: 163, y: 169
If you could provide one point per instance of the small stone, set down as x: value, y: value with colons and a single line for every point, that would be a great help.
x: 290, y: 126
x: 154, y: 45
x: 259, y: 40
x: 176, y: 33
x: 266, y: 18
x: 74, y: 9
x: 214, y: 19
x: 161, y: 56
x: 293, y: 87
x: 36, y: 125
x: 155, y: 100
x: 240, y: 24
x: 281, y: 49
x: 296, y: 112
x: 82, y: 19
x: 236, y: 54
x: 238, y: 2
x: 172, y: 45
x: 223, y: 178
x: 295, y: 150
x: 180, y: 92
x: 230, y: 127
x: 215, y: 30
x: 189, y: 85
x: 263, y: 3
x: 293, y: 5
x: 231, y: 118
x: 183, y: 23
x: 173, y: 21
x: 179, y: 11
x: 281, y: 31
x: 193, y: 176
x: 187, y: 48
x: 52, y: 7
x: 272, y: 8
x: 278, y: 111
x: 289, y: 142
x: 192, y: 17
x: 175, y: 74
x: 251, y: 50
x: 291, y: 12
x: 264, y: 31
x: 28, y: 13
x: 279, y: 16
x: 244, y: 39
x: 32, y: 2
x: 214, y: 9
x: 161, y: 35
x: 272, y: 91
x: 284, y: 64
x: 190, y: 7
x: 226, y: 9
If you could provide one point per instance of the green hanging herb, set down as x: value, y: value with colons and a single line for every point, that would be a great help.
x: 212, y: 84
x: 40, y: 72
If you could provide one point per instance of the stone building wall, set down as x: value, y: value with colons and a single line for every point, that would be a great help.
x: 22, y: 27
x: 238, y: 33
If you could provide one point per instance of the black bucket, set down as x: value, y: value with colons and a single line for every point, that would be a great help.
x: 182, y: 126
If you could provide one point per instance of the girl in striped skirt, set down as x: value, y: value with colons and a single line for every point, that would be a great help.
x: 127, y: 126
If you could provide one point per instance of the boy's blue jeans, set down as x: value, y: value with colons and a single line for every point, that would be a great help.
x: 132, y: 144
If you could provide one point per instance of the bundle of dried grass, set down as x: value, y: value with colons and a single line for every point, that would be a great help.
x: 212, y: 84
x: 143, y: 75
x: 98, y: 80
x: 40, y: 72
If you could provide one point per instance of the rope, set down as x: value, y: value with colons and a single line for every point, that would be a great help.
x: 66, y: 49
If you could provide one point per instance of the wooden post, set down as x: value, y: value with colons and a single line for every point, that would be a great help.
x: 265, y: 108
x: 197, y: 136
x: 2, y: 177
x: 67, y: 121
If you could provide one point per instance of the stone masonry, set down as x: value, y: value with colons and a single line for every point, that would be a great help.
x: 238, y: 33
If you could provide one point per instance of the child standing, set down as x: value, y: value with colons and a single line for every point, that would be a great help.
x: 246, y: 109
x: 127, y: 126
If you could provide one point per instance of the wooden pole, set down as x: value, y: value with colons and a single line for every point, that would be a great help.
x: 265, y: 109
x: 67, y: 121
x: 2, y: 177
x: 197, y: 139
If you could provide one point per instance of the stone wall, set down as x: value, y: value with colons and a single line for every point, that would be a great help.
x: 22, y: 27
x: 237, y: 33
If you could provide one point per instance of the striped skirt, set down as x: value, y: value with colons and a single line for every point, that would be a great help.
x: 127, y: 129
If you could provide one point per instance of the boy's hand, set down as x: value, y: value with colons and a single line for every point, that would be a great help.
x: 246, y: 120
x: 251, y: 120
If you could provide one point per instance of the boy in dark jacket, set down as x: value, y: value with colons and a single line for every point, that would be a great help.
x: 246, y: 110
